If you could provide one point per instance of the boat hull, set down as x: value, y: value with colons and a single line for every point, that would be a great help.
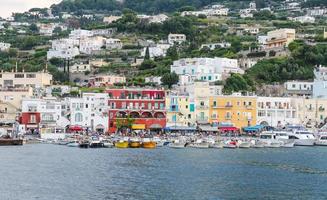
x: 149, y: 145
x: 134, y: 144
x: 11, y: 142
x: 121, y: 145
x: 304, y: 142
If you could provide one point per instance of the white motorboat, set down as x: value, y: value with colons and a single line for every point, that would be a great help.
x: 244, y: 144
x: 217, y: 145
x: 230, y: 144
x: 107, y: 144
x: 268, y: 139
x: 200, y: 144
x: 177, y: 144
x: 74, y: 143
x: 321, y: 141
x: 302, y: 138
x: 288, y: 144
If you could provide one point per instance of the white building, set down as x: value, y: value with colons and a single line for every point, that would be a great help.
x: 176, y: 38
x: 320, y: 83
x: 25, y: 79
x: 298, y: 88
x: 215, y: 10
x: 50, y: 110
x: 304, y: 19
x: 317, y: 11
x: 276, y: 111
x: 4, y: 46
x: 63, y: 48
x: 153, y: 79
x: 79, y: 34
x: 79, y: 67
x: 213, y: 46
x: 113, y: 43
x: 206, y: 69
x: 157, y: 50
x: 90, y: 111
x: 88, y: 45
x: 153, y: 18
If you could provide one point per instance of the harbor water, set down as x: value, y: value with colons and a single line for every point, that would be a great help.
x: 48, y: 172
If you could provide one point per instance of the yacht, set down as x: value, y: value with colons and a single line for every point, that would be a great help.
x: 302, y: 138
x: 269, y: 139
x: 321, y: 141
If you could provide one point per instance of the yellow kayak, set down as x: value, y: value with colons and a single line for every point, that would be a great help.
x: 121, y: 144
x: 135, y: 144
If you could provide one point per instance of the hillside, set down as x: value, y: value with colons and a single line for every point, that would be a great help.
x: 144, y: 6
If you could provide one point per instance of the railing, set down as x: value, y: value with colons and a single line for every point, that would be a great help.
x: 202, y: 107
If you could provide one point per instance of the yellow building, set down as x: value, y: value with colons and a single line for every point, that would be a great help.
x: 237, y: 110
x: 180, y: 111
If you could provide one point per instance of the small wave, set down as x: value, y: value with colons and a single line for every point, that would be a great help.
x: 288, y: 167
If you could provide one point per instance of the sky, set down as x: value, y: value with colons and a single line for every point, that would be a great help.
x: 9, y: 6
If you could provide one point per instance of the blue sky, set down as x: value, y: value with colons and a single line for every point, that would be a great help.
x: 9, y: 6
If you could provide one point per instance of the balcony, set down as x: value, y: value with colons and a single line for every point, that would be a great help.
x: 202, y: 107
x: 202, y: 120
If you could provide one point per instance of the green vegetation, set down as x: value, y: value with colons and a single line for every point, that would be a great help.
x: 169, y: 79
x: 299, y: 66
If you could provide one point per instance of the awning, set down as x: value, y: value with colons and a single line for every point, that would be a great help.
x: 155, y: 126
x: 208, y: 128
x: 138, y: 126
x: 75, y: 128
x: 180, y: 128
x: 228, y: 128
x: 99, y: 126
x: 253, y: 128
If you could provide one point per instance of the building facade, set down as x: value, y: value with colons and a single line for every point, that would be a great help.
x: 144, y: 108
x: 276, y: 111
x: 237, y: 110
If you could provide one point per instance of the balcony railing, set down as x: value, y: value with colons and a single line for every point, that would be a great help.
x: 202, y: 107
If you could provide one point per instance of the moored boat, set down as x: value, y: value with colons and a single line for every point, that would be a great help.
x: 321, y: 141
x: 74, y: 143
x: 148, y: 144
x: 217, y: 145
x: 177, y: 144
x: 10, y: 142
x: 244, y: 145
x: 121, y: 144
x: 135, y: 143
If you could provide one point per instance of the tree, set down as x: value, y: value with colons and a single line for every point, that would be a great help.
x: 33, y: 28
x: 172, y: 53
x: 148, y: 64
x: 147, y: 54
x: 236, y: 83
x: 169, y: 79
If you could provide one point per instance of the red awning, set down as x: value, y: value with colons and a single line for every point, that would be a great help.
x: 75, y: 128
x: 228, y: 128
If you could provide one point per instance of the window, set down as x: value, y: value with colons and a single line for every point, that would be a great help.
x: 32, y: 119
x: 186, y: 106
x: 30, y: 75
x: 189, y: 116
x: 19, y: 75
x: 78, y: 117
x: 215, y: 103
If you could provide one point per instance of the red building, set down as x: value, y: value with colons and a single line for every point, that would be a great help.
x: 31, y: 120
x: 146, y: 108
